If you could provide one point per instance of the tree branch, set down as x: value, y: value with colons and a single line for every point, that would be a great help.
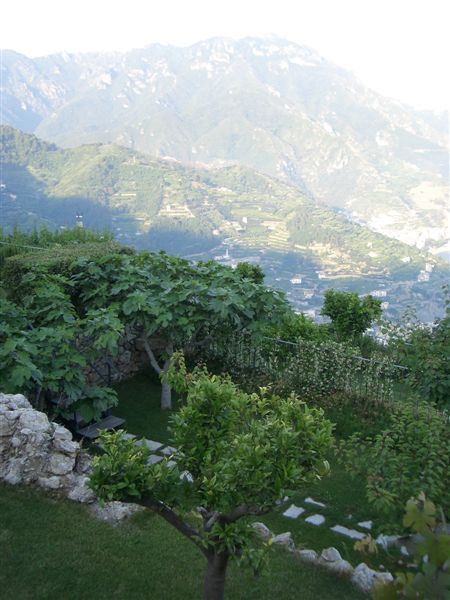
x: 243, y: 510
x: 171, y: 517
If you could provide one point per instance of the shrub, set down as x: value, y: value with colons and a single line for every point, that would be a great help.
x: 411, y: 455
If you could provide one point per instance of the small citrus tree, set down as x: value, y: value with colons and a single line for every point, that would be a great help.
x: 237, y: 455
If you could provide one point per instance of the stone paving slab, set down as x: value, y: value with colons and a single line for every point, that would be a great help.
x: 350, y: 533
x: 153, y: 446
x: 168, y: 450
x: 293, y: 512
x: 154, y: 459
x: 366, y: 525
x: 315, y: 520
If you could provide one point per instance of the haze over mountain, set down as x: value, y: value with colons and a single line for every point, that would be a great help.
x: 265, y: 103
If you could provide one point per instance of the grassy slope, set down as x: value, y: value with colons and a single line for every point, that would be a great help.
x: 53, y: 549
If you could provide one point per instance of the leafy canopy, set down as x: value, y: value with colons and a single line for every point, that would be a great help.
x: 350, y: 315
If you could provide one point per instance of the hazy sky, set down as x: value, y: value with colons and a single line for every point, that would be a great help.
x: 400, y: 48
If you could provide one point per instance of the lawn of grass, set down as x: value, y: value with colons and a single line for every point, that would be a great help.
x: 53, y: 549
x: 139, y: 405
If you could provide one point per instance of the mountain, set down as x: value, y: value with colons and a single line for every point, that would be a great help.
x: 268, y: 104
x: 231, y: 213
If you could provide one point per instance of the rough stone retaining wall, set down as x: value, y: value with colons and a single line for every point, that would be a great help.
x: 34, y: 450
x: 129, y: 359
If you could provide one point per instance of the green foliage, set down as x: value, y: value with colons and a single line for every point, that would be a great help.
x: 350, y: 316
x: 293, y: 327
x: 411, y: 455
x: 425, y: 351
x: 250, y: 271
x: 242, y: 452
x: 181, y: 303
x: 431, y: 578
x: 326, y: 372
x: 45, y: 346
x: 56, y: 259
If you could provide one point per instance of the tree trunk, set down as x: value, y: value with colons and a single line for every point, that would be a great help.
x: 166, y: 396
x: 215, y: 577
x: 166, y: 392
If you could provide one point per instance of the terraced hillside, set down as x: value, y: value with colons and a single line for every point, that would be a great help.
x: 230, y: 213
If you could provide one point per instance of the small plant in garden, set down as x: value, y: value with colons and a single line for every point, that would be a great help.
x: 431, y: 578
x: 410, y: 455
x: 238, y: 454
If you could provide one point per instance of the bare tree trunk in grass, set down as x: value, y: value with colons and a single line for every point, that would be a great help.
x: 215, y: 576
x: 166, y: 390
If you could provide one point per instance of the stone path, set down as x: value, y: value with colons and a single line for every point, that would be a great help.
x: 317, y: 519
x: 159, y: 451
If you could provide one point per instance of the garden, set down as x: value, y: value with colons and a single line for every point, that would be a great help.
x: 268, y: 418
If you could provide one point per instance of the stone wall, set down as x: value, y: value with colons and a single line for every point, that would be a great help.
x: 130, y: 358
x: 34, y: 450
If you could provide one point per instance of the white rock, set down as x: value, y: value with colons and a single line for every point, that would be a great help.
x: 66, y: 446
x: 81, y: 493
x: 61, y: 432
x: 330, y: 554
x: 83, y: 463
x: 12, y: 415
x: 6, y: 426
x: 293, y: 512
x: 350, y: 533
x: 114, y: 512
x: 341, y: 567
x: 364, y: 577
x: 15, y: 401
x: 386, y: 541
x: 262, y: 531
x: 307, y: 555
x: 60, y: 464
x: 284, y: 539
x: 186, y: 476
x: 34, y: 420
x: 366, y: 525
x: 51, y: 483
x: 168, y: 450
x: 310, y: 500
x: 315, y: 519
x: 154, y: 459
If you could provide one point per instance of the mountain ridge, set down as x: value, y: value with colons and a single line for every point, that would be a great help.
x: 268, y: 104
